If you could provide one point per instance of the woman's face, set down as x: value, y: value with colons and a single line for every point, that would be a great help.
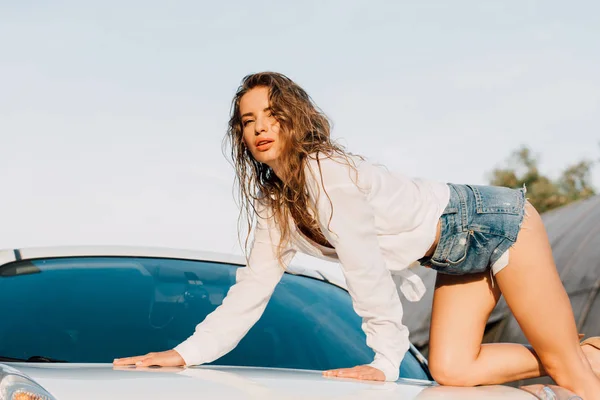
x: 260, y: 128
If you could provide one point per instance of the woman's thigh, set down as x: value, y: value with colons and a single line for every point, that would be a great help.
x: 462, y: 305
x: 534, y: 292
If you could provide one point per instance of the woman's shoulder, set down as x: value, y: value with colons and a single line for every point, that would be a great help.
x: 333, y: 161
x: 331, y: 169
x: 262, y: 203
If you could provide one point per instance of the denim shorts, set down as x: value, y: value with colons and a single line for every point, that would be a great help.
x: 479, y: 224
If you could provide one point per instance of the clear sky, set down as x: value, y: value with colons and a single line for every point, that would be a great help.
x: 112, y: 112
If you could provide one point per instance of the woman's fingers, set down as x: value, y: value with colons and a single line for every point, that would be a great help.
x: 363, y: 372
x: 169, y: 358
x: 345, y: 372
x: 148, y: 361
x: 128, y: 360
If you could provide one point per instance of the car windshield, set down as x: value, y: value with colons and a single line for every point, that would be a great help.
x: 95, y: 309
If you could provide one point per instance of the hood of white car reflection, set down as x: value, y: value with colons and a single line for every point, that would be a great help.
x: 102, y: 381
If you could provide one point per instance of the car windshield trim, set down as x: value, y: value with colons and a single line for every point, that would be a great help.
x: 40, y: 359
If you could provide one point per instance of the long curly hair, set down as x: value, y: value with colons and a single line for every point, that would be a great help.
x: 304, y: 130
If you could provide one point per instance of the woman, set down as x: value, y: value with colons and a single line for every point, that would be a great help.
x: 310, y: 195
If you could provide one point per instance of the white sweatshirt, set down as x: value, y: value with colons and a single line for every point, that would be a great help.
x: 381, y: 223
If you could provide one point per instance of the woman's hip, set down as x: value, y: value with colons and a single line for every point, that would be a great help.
x: 478, y: 225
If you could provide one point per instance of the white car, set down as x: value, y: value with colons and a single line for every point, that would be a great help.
x: 67, y: 312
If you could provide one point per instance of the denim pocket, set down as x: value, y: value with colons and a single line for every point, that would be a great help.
x: 497, y: 199
x: 460, y: 248
x: 454, y: 251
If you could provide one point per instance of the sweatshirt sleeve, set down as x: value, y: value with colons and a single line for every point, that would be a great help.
x: 245, y: 301
x: 347, y: 221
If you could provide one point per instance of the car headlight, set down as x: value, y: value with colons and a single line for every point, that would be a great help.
x: 14, y: 385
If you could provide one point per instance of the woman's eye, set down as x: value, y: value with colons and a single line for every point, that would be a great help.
x: 246, y: 122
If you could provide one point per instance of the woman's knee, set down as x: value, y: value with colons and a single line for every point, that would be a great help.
x: 450, y: 372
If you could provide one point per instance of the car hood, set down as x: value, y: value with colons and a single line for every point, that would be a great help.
x: 103, y: 381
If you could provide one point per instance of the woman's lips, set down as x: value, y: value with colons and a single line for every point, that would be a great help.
x: 264, y: 145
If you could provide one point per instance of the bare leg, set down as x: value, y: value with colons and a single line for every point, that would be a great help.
x: 535, y: 294
x: 533, y: 291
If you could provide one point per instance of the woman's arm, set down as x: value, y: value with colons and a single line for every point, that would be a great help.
x: 245, y: 302
x: 351, y: 231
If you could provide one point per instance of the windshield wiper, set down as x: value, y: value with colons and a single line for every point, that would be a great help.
x: 40, y: 359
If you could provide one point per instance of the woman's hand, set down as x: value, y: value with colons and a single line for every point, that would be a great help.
x: 169, y: 358
x: 363, y: 372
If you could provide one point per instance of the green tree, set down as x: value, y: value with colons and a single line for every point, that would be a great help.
x: 544, y: 193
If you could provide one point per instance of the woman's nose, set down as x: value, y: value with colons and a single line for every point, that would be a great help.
x: 260, y: 125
